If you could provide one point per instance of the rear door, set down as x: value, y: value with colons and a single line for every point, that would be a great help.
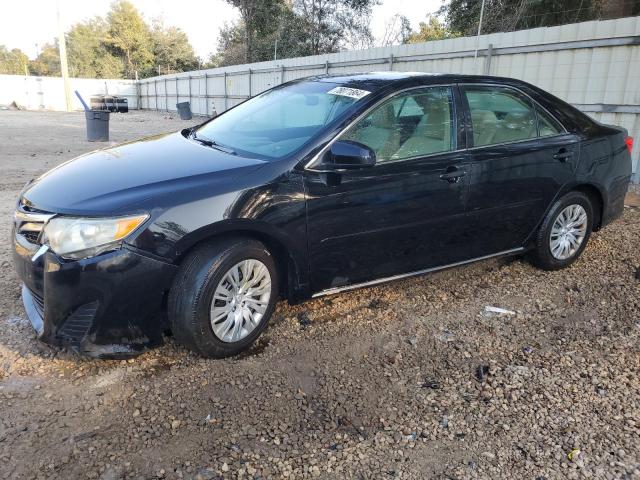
x: 520, y: 158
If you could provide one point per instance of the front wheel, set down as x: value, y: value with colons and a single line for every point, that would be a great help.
x: 223, y: 297
x: 564, y: 233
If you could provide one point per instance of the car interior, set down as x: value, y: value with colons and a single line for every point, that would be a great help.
x: 407, y: 126
x: 418, y: 124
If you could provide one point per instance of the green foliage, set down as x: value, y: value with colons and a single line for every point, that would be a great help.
x: 88, y: 51
x: 115, y: 47
x: 284, y: 29
x: 332, y: 25
x: 257, y: 24
x: 172, y: 50
x: 506, y: 15
x: 13, y: 62
x: 47, y: 63
x: 231, y: 46
x: 280, y: 40
x: 432, y: 29
x: 129, y: 37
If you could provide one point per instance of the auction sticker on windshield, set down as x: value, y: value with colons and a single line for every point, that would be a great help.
x: 349, y: 92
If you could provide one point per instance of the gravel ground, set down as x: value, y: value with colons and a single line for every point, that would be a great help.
x: 408, y: 380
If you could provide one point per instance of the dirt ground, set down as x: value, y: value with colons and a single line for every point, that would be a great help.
x: 408, y: 380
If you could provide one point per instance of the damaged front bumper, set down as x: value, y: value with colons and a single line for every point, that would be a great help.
x: 108, y: 306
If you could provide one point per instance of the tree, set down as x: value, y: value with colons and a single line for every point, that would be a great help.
x: 335, y: 24
x: 462, y: 16
x: 120, y: 45
x: 287, y: 28
x: 432, y: 29
x: 129, y: 37
x: 231, y: 46
x: 47, y: 63
x: 88, y: 52
x: 397, y: 31
x: 172, y: 50
x: 13, y: 62
x: 257, y: 23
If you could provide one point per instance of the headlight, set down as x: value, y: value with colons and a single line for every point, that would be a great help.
x: 76, y: 238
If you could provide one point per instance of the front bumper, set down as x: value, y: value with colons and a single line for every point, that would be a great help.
x: 108, y: 306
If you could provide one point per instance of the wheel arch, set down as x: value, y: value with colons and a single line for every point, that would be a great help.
x: 290, y: 260
x: 596, y: 196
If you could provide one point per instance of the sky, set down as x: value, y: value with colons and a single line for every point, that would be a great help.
x: 29, y: 24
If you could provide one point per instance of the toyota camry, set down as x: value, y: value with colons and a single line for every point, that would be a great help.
x: 314, y: 187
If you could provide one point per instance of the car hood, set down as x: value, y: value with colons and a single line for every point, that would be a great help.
x: 137, y: 174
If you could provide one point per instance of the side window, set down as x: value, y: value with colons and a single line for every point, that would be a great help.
x: 500, y: 115
x: 547, y: 125
x: 411, y: 124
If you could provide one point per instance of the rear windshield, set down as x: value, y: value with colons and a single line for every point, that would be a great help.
x: 276, y: 123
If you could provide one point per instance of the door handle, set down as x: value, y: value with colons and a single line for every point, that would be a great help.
x: 563, y: 154
x: 453, y: 174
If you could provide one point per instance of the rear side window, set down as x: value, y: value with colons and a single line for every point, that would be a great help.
x: 547, y: 125
x: 500, y: 115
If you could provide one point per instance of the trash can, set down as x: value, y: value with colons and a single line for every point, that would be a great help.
x: 97, y: 125
x: 184, y: 109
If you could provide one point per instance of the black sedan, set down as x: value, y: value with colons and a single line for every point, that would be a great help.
x: 311, y: 188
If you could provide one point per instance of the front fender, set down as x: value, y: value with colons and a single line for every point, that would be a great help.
x: 274, y: 213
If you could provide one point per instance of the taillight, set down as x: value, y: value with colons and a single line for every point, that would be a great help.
x: 629, y: 142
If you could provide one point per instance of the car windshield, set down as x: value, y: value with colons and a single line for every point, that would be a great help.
x: 276, y: 123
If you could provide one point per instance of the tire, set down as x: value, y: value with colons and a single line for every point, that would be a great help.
x: 203, y: 272
x: 542, y: 256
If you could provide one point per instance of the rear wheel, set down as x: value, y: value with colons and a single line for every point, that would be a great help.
x: 223, y: 297
x: 564, y: 233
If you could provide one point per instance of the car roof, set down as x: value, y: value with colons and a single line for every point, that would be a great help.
x: 376, y: 80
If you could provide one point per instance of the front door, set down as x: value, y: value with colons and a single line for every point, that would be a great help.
x: 404, y: 214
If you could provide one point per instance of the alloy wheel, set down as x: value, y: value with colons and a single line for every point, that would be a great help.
x: 240, y: 300
x: 568, y: 232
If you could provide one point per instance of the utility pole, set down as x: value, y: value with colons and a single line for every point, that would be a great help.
x: 64, y: 67
x: 481, y: 15
x: 479, y: 28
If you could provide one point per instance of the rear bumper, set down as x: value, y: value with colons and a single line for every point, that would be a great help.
x: 614, y: 206
x: 109, y: 306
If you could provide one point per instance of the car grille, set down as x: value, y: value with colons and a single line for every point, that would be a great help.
x: 31, y: 236
x: 29, y: 223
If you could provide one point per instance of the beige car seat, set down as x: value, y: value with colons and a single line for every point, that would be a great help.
x: 484, y: 127
x: 380, y: 134
x: 431, y: 135
x: 516, y: 126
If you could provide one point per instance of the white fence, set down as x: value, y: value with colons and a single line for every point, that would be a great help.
x: 592, y: 65
x: 47, y: 93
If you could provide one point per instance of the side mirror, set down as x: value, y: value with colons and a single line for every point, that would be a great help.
x: 345, y: 154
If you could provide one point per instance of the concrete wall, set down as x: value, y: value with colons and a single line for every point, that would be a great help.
x: 47, y: 93
x: 593, y: 65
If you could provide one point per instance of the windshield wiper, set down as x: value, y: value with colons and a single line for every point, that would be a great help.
x: 210, y: 143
